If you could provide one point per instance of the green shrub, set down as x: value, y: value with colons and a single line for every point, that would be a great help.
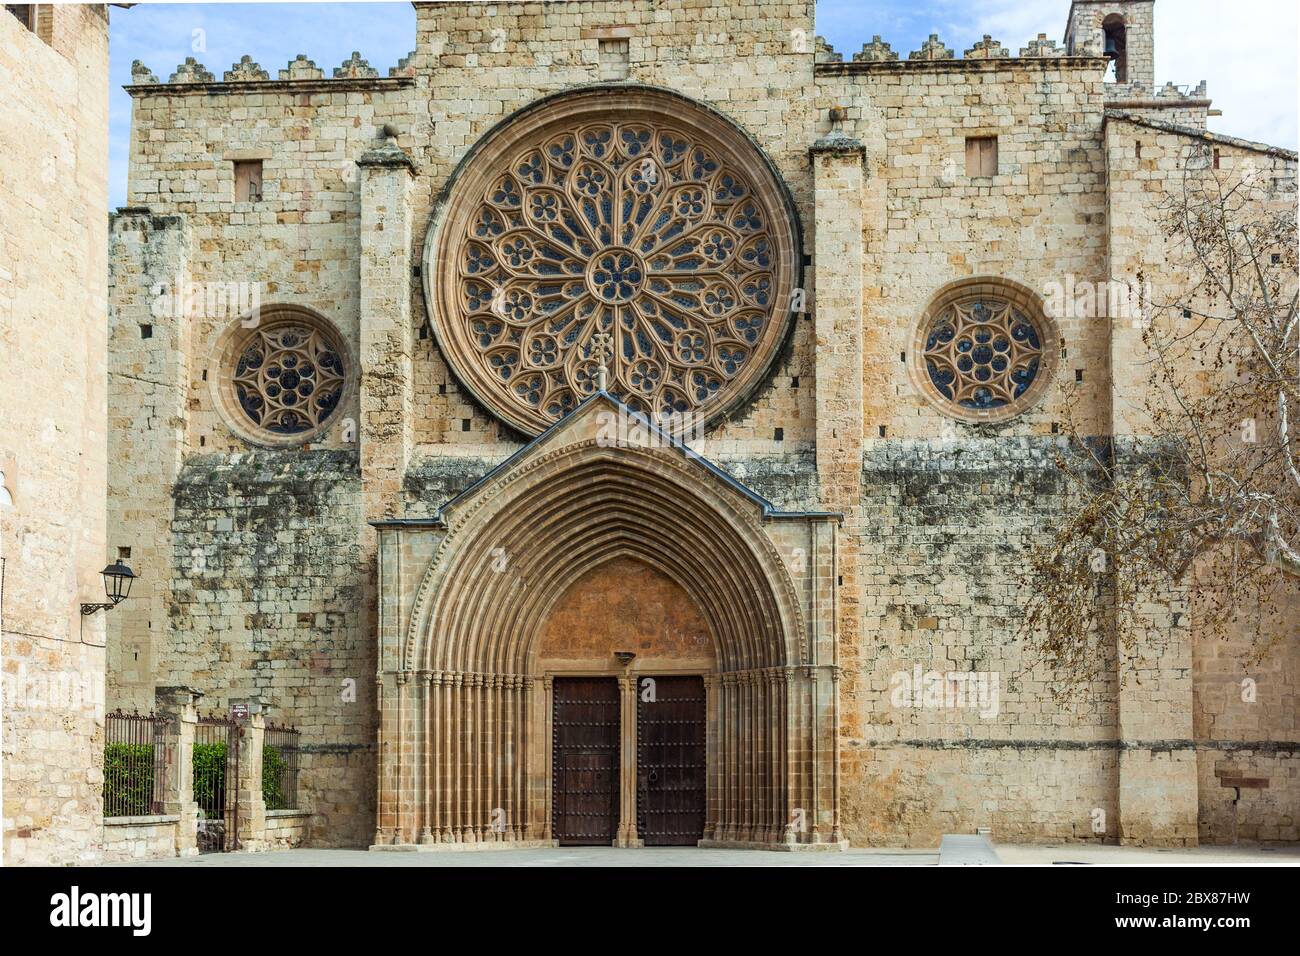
x: 273, y: 767
x: 128, y: 780
x: 210, y: 776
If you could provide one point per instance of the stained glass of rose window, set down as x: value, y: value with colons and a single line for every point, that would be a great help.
x: 982, y: 353
x: 288, y: 379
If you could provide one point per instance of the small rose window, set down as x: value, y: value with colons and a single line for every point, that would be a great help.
x: 284, y: 380
x: 983, y: 353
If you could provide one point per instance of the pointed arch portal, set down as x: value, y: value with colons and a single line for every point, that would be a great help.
x: 467, y: 698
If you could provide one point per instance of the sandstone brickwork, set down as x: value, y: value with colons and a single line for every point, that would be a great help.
x: 890, y: 530
x: 53, y: 191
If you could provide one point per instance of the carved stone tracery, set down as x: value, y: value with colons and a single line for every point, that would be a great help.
x: 633, y: 214
x: 984, y: 351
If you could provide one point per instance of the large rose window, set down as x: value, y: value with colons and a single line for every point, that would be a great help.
x: 630, y: 229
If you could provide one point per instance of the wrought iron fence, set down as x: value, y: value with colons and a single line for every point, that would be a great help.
x: 280, y: 767
x: 216, y: 782
x: 133, y: 764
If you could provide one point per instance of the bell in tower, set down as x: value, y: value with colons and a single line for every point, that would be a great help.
x: 1122, y: 31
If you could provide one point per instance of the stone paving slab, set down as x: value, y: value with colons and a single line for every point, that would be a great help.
x: 1014, y: 855
x: 562, y: 856
x: 959, y: 849
x: 1100, y: 855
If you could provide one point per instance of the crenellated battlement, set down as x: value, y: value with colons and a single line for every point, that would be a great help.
x: 193, y: 76
x: 1114, y: 37
x: 935, y: 53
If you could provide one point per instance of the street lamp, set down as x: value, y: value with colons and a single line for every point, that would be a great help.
x: 117, y: 585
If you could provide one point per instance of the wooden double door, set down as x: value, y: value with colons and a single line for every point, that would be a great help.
x: 669, y: 743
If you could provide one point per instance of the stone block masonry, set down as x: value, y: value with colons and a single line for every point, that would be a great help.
x: 266, y: 578
x: 53, y: 194
x: 266, y: 602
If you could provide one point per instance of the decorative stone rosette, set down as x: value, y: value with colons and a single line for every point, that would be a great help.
x: 633, y: 213
x: 984, y: 351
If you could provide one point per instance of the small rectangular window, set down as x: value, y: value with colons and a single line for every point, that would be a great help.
x: 248, y: 180
x: 25, y: 12
x: 981, y: 156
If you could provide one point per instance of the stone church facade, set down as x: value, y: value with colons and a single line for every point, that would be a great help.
x: 581, y: 431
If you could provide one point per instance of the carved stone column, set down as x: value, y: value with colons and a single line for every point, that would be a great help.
x: 427, y: 751
x: 547, y: 704
x: 627, y: 790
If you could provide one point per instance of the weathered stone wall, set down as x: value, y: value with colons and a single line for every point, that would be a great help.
x: 946, y: 529
x: 53, y: 187
x: 127, y: 839
x: 266, y: 603
x: 926, y: 223
x: 149, y: 358
x: 753, y: 63
x: 287, y: 829
x: 266, y: 564
x: 298, y: 245
x: 1242, y: 731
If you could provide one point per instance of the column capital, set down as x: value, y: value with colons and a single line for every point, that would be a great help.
x: 388, y: 156
x: 838, y: 143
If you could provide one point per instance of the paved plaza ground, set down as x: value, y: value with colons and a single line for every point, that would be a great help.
x: 1081, y: 854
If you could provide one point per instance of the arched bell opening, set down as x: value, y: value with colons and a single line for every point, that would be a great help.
x: 1115, y: 45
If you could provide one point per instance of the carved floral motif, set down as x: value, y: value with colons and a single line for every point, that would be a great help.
x: 637, y: 230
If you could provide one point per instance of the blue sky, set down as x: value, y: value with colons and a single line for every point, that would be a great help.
x: 1245, y: 49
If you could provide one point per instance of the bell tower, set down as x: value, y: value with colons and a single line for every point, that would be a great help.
x: 1121, y: 29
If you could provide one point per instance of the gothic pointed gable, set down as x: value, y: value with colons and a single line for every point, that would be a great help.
x: 601, y: 419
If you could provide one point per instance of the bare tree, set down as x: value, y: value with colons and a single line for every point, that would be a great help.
x: 1210, y: 494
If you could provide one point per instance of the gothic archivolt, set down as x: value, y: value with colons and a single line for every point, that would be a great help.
x: 631, y: 213
x: 468, y: 698
x: 567, y: 512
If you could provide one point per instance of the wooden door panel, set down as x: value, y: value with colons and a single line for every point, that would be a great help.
x: 585, y: 768
x: 671, y: 762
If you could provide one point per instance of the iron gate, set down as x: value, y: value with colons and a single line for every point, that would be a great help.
x: 216, y: 783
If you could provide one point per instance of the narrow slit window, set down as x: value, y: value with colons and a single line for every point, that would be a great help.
x: 248, y: 180
x: 981, y: 157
